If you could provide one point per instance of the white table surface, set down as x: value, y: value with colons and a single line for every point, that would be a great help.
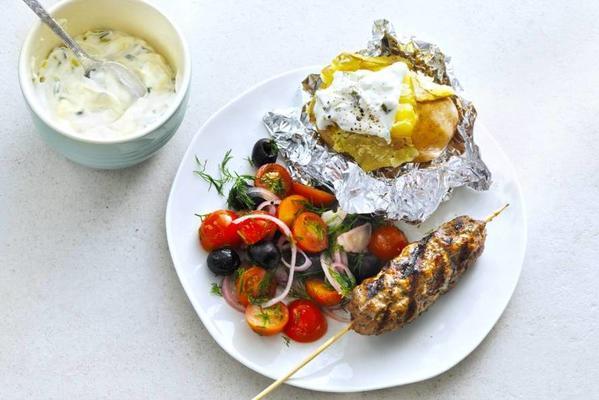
x: 91, y: 307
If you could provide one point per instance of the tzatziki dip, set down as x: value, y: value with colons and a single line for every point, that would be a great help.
x: 362, y: 101
x: 102, y: 108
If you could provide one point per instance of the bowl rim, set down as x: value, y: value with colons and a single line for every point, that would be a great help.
x: 27, y: 87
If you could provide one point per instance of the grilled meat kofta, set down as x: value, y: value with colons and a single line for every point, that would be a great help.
x: 417, y: 277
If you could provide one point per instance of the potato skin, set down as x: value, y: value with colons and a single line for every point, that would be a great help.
x: 437, y: 123
x: 436, y: 126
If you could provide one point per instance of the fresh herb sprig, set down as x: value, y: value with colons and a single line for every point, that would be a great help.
x: 298, y: 289
x: 334, y: 232
x: 315, y: 209
x: 225, y: 174
x: 238, y: 195
x: 286, y: 340
x: 346, y: 282
x: 216, y: 289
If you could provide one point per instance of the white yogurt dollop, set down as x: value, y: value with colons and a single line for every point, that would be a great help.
x: 361, y: 101
x: 102, y: 108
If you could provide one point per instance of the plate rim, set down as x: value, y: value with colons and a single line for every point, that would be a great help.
x: 299, y: 382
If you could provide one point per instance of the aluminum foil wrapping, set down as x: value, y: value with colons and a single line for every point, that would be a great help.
x: 414, y: 191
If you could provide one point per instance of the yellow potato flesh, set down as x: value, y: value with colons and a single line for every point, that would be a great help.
x: 425, y: 120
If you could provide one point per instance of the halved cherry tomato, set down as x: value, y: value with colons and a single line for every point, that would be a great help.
x: 387, y: 242
x: 252, y: 231
x: 318, y: 197
x: 291, y: 207
x: 254, y: 283
x: 306, y: 322
x: 267, y: 321
x: 217, y: 230
x: 310, y: 232
x: 322, y: 293
x: 275, y: 178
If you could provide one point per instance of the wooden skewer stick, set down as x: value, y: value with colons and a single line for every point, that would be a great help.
x: 312, y: 356
x: 496, y: 213
x: 333, y: 339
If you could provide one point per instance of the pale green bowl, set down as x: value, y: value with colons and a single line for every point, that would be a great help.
x: 137, y: 18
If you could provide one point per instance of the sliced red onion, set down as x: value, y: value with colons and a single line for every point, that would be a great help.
x: 283, y: 244
x: 229, y: 294
x: 263, y: 193
x: 340, y: 256
x: 330, y: 312
x: 304, y: 266
x: 285, y: 229
x: 285, y: 291
x: 343, y: 268
x: 270, y: 206
x: 356, y: 240
x: 333, y: 218
x: 325, y: 263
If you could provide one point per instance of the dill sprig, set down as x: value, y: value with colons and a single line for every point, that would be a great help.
x: 222, y: 167
x: 238, y: 198
x: 216, y: 289
x: 201, y: 216
x: 334, y: 232
x: 286, y: 340
x: 315, y: 209
x: 346, y: 282
x: 225, y: 174
x: 298, y: 289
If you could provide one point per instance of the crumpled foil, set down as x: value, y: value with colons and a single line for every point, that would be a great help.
x: 413, y: 191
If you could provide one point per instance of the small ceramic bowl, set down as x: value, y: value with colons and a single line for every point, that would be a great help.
x: 136, y: 18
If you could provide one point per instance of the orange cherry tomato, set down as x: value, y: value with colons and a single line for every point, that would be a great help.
x: 218, y: 231
x: 387, y: 242
x: 274, y: 177
x: 252, y: 231
x: 318, y: 197
x: 310, y: 232
x: 254, y: 283
x: 322, y: 293
x: 290, y: 208
x: 267, y: 321
x: 306, y: 322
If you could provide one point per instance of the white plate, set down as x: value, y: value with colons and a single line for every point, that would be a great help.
x: 435, y: 342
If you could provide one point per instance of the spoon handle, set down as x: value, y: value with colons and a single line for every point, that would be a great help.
x: 56, y: 28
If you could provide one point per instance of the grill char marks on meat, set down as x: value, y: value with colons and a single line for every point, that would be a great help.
x: 417, y: 277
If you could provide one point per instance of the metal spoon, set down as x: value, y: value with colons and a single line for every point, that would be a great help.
x: 89, y: 63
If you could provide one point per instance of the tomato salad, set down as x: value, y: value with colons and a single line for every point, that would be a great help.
x: 288, y: 255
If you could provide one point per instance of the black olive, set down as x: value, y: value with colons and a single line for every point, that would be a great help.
x: 223, y: 261
x: 364, y: 265
x: 239, y: 199
x: 265, y: 254
x: 265, y: 151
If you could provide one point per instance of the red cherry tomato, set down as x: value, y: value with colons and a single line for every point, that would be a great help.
x: 310, y: 232
x: 217, y: 230
x: 322, y: 293
x: 254, y: 283
x: 252, y: 231
x: 275, y: 178
x: 318, y: 197
x: 267, y: 321
x: 306, y: 322
x: 290, y: 208
x: 387, y: 242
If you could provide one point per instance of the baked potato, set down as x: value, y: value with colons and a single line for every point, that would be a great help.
x: 424, y: 123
